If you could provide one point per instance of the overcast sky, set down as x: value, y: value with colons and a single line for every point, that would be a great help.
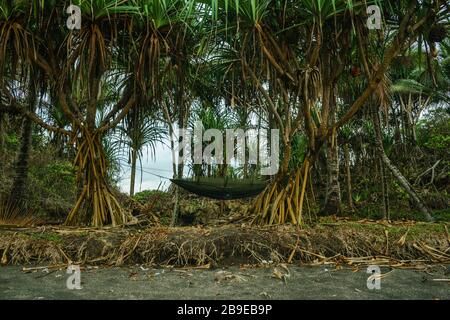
x: 161, y: 165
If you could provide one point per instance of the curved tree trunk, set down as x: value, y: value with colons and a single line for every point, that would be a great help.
x: 394, y: 170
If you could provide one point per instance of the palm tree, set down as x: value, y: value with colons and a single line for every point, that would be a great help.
x: 140, y: 130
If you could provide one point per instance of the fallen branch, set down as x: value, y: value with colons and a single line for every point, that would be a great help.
x: 432, y: 169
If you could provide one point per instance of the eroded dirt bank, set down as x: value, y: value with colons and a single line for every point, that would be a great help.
x: 351, y: 243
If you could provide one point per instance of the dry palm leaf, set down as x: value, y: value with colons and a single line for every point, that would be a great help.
x: 402, y: 240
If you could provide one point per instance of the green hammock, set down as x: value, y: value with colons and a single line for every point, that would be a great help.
x: 222, y: 188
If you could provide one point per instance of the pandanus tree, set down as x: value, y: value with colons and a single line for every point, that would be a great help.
x: 211, y: 118
x: 230, y: 93
x: 169, y: 35
x: 76, y: 63
x: 415, y: 88
x: 433, y: 13
x: 294, y: 53
x: 140, y: 131
x: 278, y: 55
x: 13, y: 45
x: 79, y: 74
x: 165, y: 43
x: 18, y: 191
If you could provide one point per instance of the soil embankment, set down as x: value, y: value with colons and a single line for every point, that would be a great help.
x: 350, y: 243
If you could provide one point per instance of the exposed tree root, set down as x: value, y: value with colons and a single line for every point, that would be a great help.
x: 340, y: 244
x: 96, y: 205
x: 280, y: 204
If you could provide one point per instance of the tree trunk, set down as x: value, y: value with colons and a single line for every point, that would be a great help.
x: 332, y: 204
x: 395, y: 172
x: 2, y: 135
x: 358, y: 156
x: 333, y: 197
x: 245, y: 168
x: 246, y: 156
x: 348, y: 177
x: 175, y: 210
x: 2, y: 147
x: 133, y: 170
x: 20, y: 179
x: 384, y: 190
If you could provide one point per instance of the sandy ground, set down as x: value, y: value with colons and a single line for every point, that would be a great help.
x: 232, y: 283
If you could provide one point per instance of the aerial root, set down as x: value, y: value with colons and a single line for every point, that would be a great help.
x: 280, y: 204
x: 96, y: 204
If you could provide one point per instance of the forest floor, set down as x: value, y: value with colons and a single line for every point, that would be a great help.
x: 234, y: 283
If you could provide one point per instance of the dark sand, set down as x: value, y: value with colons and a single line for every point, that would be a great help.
x: 322, y: 282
